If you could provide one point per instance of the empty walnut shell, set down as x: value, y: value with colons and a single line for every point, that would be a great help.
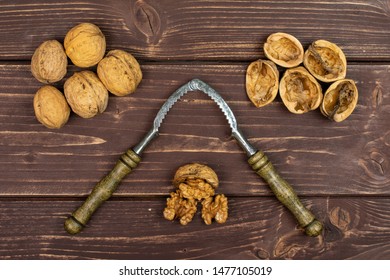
x: 340, y: 100
x: 86, y: 94
x: 49, y: 62
x: 195, y: 171
x: 50, y: 107
x: 85, y: 44
x: 325, y: 61
x: 120, y: 72
x: 284, y: 49
x: 300, y: 91
x: 262, y: 82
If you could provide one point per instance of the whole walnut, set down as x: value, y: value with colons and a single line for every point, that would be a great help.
x: 50, y: 107
x: 49, y: 62
x: 85, y: 45
x: 86, y: 94
x: 120, y: 72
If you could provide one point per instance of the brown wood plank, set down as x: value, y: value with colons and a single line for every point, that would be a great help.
x: 196, y: 30
x: 317, y: 156
x: 257, y: 228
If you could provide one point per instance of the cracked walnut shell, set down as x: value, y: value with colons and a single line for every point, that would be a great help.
x: 120, y: 72
x: 284, y: 49
x: 262, y: 82
x: 300, y: 91
x: 325, y: 61
x: 85, y: 45
x: 195, y: 171
x: 340, y: 100
x: 49, y: 62
x: 50, y: 107
x: 86, y: 94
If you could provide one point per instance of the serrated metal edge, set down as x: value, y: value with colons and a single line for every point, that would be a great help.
x: 193, y: 85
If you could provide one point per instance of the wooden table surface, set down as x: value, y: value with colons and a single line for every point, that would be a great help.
x: 341, y: 171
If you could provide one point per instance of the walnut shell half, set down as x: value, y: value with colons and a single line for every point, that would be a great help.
x: 85, y: 44
x: 86, y: 94
x: 194, y: 171
x: 340, y: 100
x: 49, y: 62
x: 300, y: 91
x: 262, y: 82
x: 120, y: 72
x: 325, y: 61
x: 284, y: 49
x: 50, y: 107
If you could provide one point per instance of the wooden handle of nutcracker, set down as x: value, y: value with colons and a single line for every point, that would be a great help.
x: 285, y: 193
x: 101, y: 192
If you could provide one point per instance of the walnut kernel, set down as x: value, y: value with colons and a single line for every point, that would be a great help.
x: 86, y: 94
x: 120, y: 72
x: 215, y: 209
x: 178, y: 207
x: 49, y: 62
x: 196, y: 182
x: 85, y: 44
x: 50, y: 107
x: 197, y: 189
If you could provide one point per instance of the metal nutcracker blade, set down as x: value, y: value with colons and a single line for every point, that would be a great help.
x: 193, y: 85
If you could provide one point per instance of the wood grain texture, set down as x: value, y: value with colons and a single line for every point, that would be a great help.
x: 257, y: 228
x: 196, y: 30
x: 317, y: 156
x: 341, y: 171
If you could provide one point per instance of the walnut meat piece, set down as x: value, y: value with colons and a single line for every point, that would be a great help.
x: 120, y: 72
x: 340, y: 100
x: 196, y: 189
x: 196, y: 182
x: 50, y: 107
x: 262, y: 82
x: 49, y: 62
x: 325, y: 61
x: 178, y: 207
x: 284, y: 49
x: 85, y: 45
x: 300, y: 91
x: 215, y: 209
x: 86, y: 94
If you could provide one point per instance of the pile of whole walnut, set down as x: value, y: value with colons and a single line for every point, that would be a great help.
x: 85, y: 92
x: 300, y: 88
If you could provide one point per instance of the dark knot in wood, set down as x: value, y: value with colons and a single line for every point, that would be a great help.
x: 147, y: 20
